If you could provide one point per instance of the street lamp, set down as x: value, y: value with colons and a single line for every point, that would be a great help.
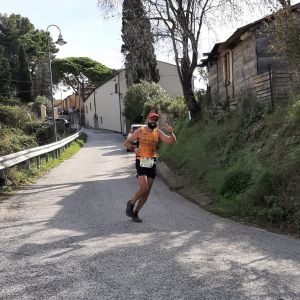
x: 80, y: 76
x: 60, y: 42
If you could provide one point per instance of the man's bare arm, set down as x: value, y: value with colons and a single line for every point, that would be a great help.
x: 168, y: 139
x: 135, y: 136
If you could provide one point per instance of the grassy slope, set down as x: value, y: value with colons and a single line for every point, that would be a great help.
x: 248, y: 164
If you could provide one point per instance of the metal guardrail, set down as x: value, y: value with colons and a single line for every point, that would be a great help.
x: 25, y: 155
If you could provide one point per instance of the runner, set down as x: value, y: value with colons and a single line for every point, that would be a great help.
x: 148, y: 137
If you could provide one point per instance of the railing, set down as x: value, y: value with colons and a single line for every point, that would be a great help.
x: 25, y: 155
x: 273, y: 86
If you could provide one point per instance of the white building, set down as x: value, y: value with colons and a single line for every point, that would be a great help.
x: 103, y: 108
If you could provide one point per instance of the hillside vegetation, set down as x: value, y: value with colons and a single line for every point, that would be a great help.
x: 21, y: 129
x: 247, y: 162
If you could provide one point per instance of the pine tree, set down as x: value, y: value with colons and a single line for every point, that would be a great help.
x: 25, y: 81
x: 140, y: 59
x: 5, y: 76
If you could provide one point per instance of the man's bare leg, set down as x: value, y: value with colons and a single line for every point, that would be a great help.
x: 143, y: 181
x: 144, y: 198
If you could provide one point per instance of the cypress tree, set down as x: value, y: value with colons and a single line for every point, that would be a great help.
x: 140, y: 59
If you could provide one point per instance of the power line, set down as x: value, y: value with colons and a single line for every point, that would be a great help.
x: 24, y: 91
x: 17, y: 80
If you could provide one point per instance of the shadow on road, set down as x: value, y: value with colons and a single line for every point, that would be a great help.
x: 174, y: 252
x: 89, y: 249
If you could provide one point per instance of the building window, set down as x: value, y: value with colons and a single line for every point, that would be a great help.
x: 101, y: 120
x: 227, y: 67
x: 86, y: 109
x: 90, y: 106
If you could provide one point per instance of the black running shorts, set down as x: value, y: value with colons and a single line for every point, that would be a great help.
x: 149, y: 172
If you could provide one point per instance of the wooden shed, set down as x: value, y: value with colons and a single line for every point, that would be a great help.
x: 245, y: 66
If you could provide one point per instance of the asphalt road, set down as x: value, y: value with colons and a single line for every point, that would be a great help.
x: 67, y: 237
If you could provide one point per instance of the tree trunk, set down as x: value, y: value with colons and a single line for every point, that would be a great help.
x: 191, y: 102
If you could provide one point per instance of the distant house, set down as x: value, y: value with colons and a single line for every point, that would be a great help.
x: 71, y: 102
x: 245, y: 65
x: 104, y: 106
x: 58, y: 103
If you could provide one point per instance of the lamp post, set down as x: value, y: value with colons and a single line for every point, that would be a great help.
x: 80, y: 76
x: 60, y: 42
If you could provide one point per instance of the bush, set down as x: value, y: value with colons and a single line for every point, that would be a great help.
x: 140, y: 97
x: 293, y: 114
x: 10, y: 101
x: 283, y: 29
x: 275, y: 211
x: 41, y: 100
x: 44, y: 134
x: 15, y: 116
x: 13, y: 140
x: 235, y: 180
x: 178, y: 108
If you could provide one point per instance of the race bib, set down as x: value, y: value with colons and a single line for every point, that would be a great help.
x: 146, y: 162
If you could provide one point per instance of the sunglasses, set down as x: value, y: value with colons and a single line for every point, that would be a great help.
x: 153, y: 120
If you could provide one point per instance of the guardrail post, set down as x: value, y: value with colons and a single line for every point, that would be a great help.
x: 38, y: 161
x: 58, y: 150
x: 2, y: 178
x: 27, y: 163
x: 63, y: 148
x: 53, y: 154
x: 47, y: 157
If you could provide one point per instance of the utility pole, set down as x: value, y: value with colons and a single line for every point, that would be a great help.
x: 119, y: 93
x: 61, y: 103
x: 79, y: 102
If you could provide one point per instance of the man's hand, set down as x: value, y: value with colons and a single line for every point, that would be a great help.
x: 171, y: 139
x: 169, y: 129
x: 137, y: 151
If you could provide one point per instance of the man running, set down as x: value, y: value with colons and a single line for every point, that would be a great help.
x: 148, y: 137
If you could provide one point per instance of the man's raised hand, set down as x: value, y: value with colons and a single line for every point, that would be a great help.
x: 169, y: 129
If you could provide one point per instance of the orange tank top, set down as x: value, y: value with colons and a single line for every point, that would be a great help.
x: 148, y: 143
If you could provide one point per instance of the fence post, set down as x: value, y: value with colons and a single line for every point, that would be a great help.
x: 274, y: 87
x: 2, y: 178
x: 27, y: 163
x: 271, y: 87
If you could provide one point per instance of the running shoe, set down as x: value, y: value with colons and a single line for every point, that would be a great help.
x: 129, y: 209
x: 135, y: 217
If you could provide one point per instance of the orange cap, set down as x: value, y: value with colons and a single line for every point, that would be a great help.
x: 153, y: 115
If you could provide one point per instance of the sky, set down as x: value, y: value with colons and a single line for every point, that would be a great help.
x: 87, y: 34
